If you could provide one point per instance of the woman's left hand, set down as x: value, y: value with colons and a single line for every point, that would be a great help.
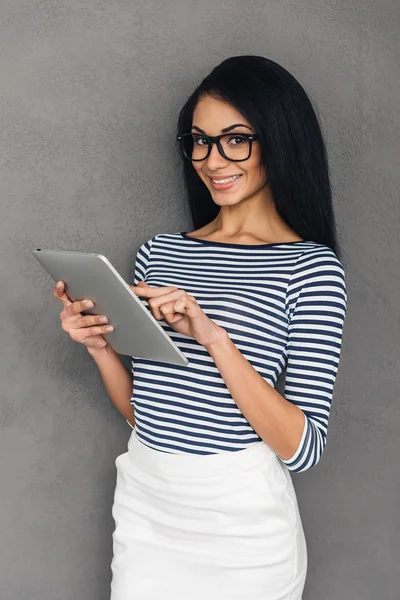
x: 180, y: 311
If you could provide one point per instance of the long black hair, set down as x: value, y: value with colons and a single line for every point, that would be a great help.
x: 293, y: 151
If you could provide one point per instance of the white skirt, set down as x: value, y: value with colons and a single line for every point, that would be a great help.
x: 206, y: 527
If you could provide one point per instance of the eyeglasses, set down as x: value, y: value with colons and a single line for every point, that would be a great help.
x: 232, y: 146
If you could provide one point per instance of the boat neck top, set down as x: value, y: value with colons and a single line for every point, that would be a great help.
x: 185, y: 235
x: 283, y: 306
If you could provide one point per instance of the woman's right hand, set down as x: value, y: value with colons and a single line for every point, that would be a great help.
x: 85, y: 329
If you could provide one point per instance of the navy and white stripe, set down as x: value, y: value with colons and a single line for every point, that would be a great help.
x: 283, y: 305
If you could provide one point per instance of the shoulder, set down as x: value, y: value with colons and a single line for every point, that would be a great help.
x: 318, y: 274
x: 158, y: 243
x: 147, y: 244
x: 317, y: 260
x: 161, y: 238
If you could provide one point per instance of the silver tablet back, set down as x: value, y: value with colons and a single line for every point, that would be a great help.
x: 91, y: 275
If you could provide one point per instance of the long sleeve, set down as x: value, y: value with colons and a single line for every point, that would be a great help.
x: 142, y: 261
x: 316, y: 307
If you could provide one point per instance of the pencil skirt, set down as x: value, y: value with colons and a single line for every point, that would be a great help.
x: 220, y: 526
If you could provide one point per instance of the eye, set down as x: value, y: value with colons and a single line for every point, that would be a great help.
x: 197, y: 140
x: 239, y: 139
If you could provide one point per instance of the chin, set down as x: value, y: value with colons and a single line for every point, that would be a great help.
x: 227, y: 200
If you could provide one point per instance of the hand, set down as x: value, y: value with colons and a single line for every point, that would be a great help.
x: 81, y: 328
x: 180, y: 311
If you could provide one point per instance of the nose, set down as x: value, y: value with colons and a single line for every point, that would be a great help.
x: 216, y: 160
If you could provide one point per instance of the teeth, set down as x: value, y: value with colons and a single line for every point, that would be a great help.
x: 226, y: 180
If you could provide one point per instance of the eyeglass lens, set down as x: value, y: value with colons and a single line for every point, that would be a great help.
x: 235, y: 146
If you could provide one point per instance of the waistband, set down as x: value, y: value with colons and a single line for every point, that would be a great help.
x: 195, y: 465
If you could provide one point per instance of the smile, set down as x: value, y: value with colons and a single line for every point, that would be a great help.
x: 228, y: 180
x: 222, y: 185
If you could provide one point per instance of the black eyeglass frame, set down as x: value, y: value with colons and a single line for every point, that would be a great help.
x: 217, y: 140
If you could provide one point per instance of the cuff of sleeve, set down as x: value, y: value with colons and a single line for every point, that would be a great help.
x: 291, y: 462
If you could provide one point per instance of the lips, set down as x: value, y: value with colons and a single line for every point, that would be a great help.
x: 225, y: 186
x: 225, y: 177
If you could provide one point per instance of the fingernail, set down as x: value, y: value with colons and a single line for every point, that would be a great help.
x: 103, y: 319
x: 59, y: 284
x: 88, y: 303
x: 109, y: 328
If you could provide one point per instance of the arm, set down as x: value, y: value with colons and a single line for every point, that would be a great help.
x: 278, y: 422
x: 295, y: 425
x: 118, y: 381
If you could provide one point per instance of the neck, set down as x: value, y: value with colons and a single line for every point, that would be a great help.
x: 253, y: 218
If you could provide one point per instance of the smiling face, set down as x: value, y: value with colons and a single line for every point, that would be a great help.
x: 210, y: 117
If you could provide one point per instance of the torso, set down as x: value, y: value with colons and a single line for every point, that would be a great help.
x: 246, y: 289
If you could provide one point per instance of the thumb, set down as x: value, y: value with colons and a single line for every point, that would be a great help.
x: 60, y: 293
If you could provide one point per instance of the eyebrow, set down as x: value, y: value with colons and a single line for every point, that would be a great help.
x: 226, y: 128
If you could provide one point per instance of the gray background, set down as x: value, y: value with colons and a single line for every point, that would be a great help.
x: 90, y: 93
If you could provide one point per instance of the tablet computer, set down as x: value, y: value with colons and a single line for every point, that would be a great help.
x: 91, y: 275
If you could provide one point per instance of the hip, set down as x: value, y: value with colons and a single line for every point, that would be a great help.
x: 230, y: 517
x: 249, y: 483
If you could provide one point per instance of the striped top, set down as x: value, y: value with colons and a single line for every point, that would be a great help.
x: 283, y: 306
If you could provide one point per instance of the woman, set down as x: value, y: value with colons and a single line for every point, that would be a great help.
x: 204, y: 504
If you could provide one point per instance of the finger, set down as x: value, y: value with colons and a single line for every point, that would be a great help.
x: 190, y: 306
x: 60, y: 294
x: 141, y: 284
x: 151, y: 292
x: 79, y: 306
x: 90, y: 320
x: 155, y: 303
x: 174, y: 318
x: 81, y: 335
x: 183, y: 306
x: 170, y: 313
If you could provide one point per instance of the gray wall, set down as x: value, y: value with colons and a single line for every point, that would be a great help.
x: 90, y: 92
